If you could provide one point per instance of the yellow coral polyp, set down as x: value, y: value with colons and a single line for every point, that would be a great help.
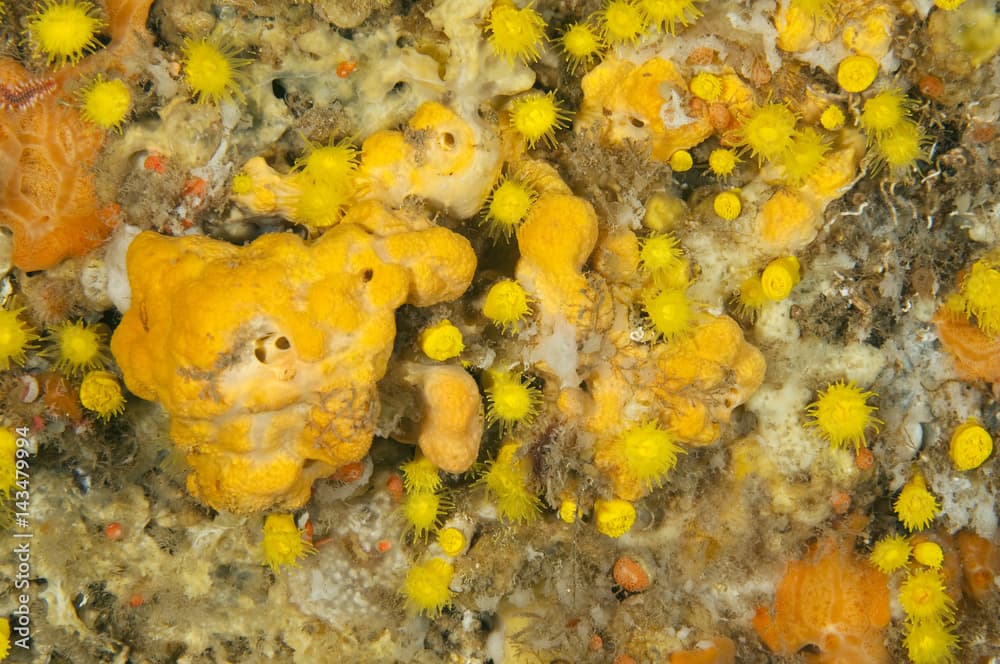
x: 441, y: 341
x: 728, y: 205
x: 922, y: 595
x: 506, y: 479
x: 916, y: 507
x: 884, y: 111
x: 106, y: 103
x: 420, y: 475
x: 284, y: 545
x: 832, y: 117
x: 722, y: 162
x: 769, y: 131
x: 581, y: 44
x: 511, y: 400
x: 980, y: 295
x: 842, y: 415
x: 77, y: 347
x: 815, y: 8
x: 660, y: 253
x: 212, y: 70
x: 101, y: 393
x: 426, y: 587
x: 614, y: 517
x: 750, y: 298
x: 929, y: 554
x: 891, y: 553
x: 507, y: 304
x: 668, y: 13
x: 319, y: 203
x: 970, y: 446
x: 622, y: 22
x: 423, y: 511
x: 515, y: 33
x: 337, y: 161
x: 537, y: 116
x: 780, y: 277
x: 16, y: 338
x: 507, y: 207
x: 805, y: 156
x: 452, y: 541
x: 670, y: 313
x: 930, y: 642
x: 646, y: 453
x: 63, y: 30
x: 706, y: 86
x: 901, y: 147
x: 681, y: 161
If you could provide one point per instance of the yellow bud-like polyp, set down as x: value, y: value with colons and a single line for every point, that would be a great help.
x: 832, y: 117
x: 568, y: 510
x: 62, y: 30
x: 242, y: 183
x: 451, y: 541
x: 971, y: 445
x: 506, y: 304
x: 515, y: 33
x: 780, y: 277
x: 212, y: 70
x: 681, y: 161
x: 283, y: 542
x: 78, y: 347
x: 706, y: 86
x: 842, y: 414
x: 581, y: 44
x: 106, y: 103
x: 441, y: 341
x: 613, y: 517
x: 722, y: 162
x: 856, y: 73
x: 922, y: 595
x: 16, y: 338
x: 929, y: 554
x: 537, y: 116
x: 101, y: 393
x: 727, y: 204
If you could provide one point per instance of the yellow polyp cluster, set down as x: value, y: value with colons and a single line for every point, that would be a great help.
x: 842, y: 415
x: 780, y: 277
x: 284, y: 544
x: 916, y: 507
x: 77, y: 347
x: 706, y: 86
x: 614, y: 517
x: 515, y: 33
x: 641, y: 456
x: 832, y: 117
x: 507, y: 304
x: 506, y: 480
x: 507, y: 207
x: 622, y: 21
x: 979, y: 294
x: 63, y: 30
x: 325, y: 183
x: 536, y: 116
x: 856, y: 73
x: 769, y: 132
x: 891, y: 553
x: 807, y: 152
x: 441, y: 341
x: 581, y: 44
x: 105, y: 103
x: 212, y: 70
x: 101, y: 393
x: 929, y: 636
x: 426, y: 587
x: 16, y: 338
x: 666, y: 14
x: 511, y: 399
x: 722, y: 162
x: 670, y: 312
x: 970, y: 446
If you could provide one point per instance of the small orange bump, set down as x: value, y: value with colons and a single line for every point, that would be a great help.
x: 864, y: 459
x: 195, y: 188
x: 136, y: 600
x: 349, y: 472
x: 156, y: 163
x: 841, y: 502
x: 114, y: 531
x: 596, y: 643
x: 383, y: 545
x: 930, y: 86
x: 394, y: 485
x: 346, y: 67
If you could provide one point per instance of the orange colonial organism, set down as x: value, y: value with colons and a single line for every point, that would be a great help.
x: 267, y: 356
x: 832, y: 601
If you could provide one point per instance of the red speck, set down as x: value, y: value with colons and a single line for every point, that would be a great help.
x: 383, y: 545
x: 155, y: 162
x: 114, y: 531
x: 307, y: 531
x: 394, y: 485
x: 930, y: 86
x: 345, y: 68
x: 841, y: 502
x: 350, y: 472
x: 186, y: 224
x: 37, y: 423
x: 136, y: 600
x: 596, y: 643
x: 864, y: 459
x: 195, y: 188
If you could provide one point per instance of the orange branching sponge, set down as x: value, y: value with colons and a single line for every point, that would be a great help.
x: 47, y: 198
x: 832, y: 600
x: 267, y: 356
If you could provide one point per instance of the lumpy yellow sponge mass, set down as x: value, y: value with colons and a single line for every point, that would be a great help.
x: 267, y: 356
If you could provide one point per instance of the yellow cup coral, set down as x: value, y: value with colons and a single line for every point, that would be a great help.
x: 283, y: 542
x: 62, y: 30
x: 916, y: 507
x: 506, y: 479
x: 16, y: 338
x: 512, y: 400
x: 507, y: 304
x: 970, y: 446
x: 101, y: 393
x: 106, y: 103
x: 441, y: 341
x: 842, y: 414
x: 614, y: 517
x: 77, y: 347
x: 515, y: 33
x: 212, y: 70
x: 891, y: 553
x: 856, y: 73
x: 426, y: 588
x: 581, y: 44
x: 537, y: 116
